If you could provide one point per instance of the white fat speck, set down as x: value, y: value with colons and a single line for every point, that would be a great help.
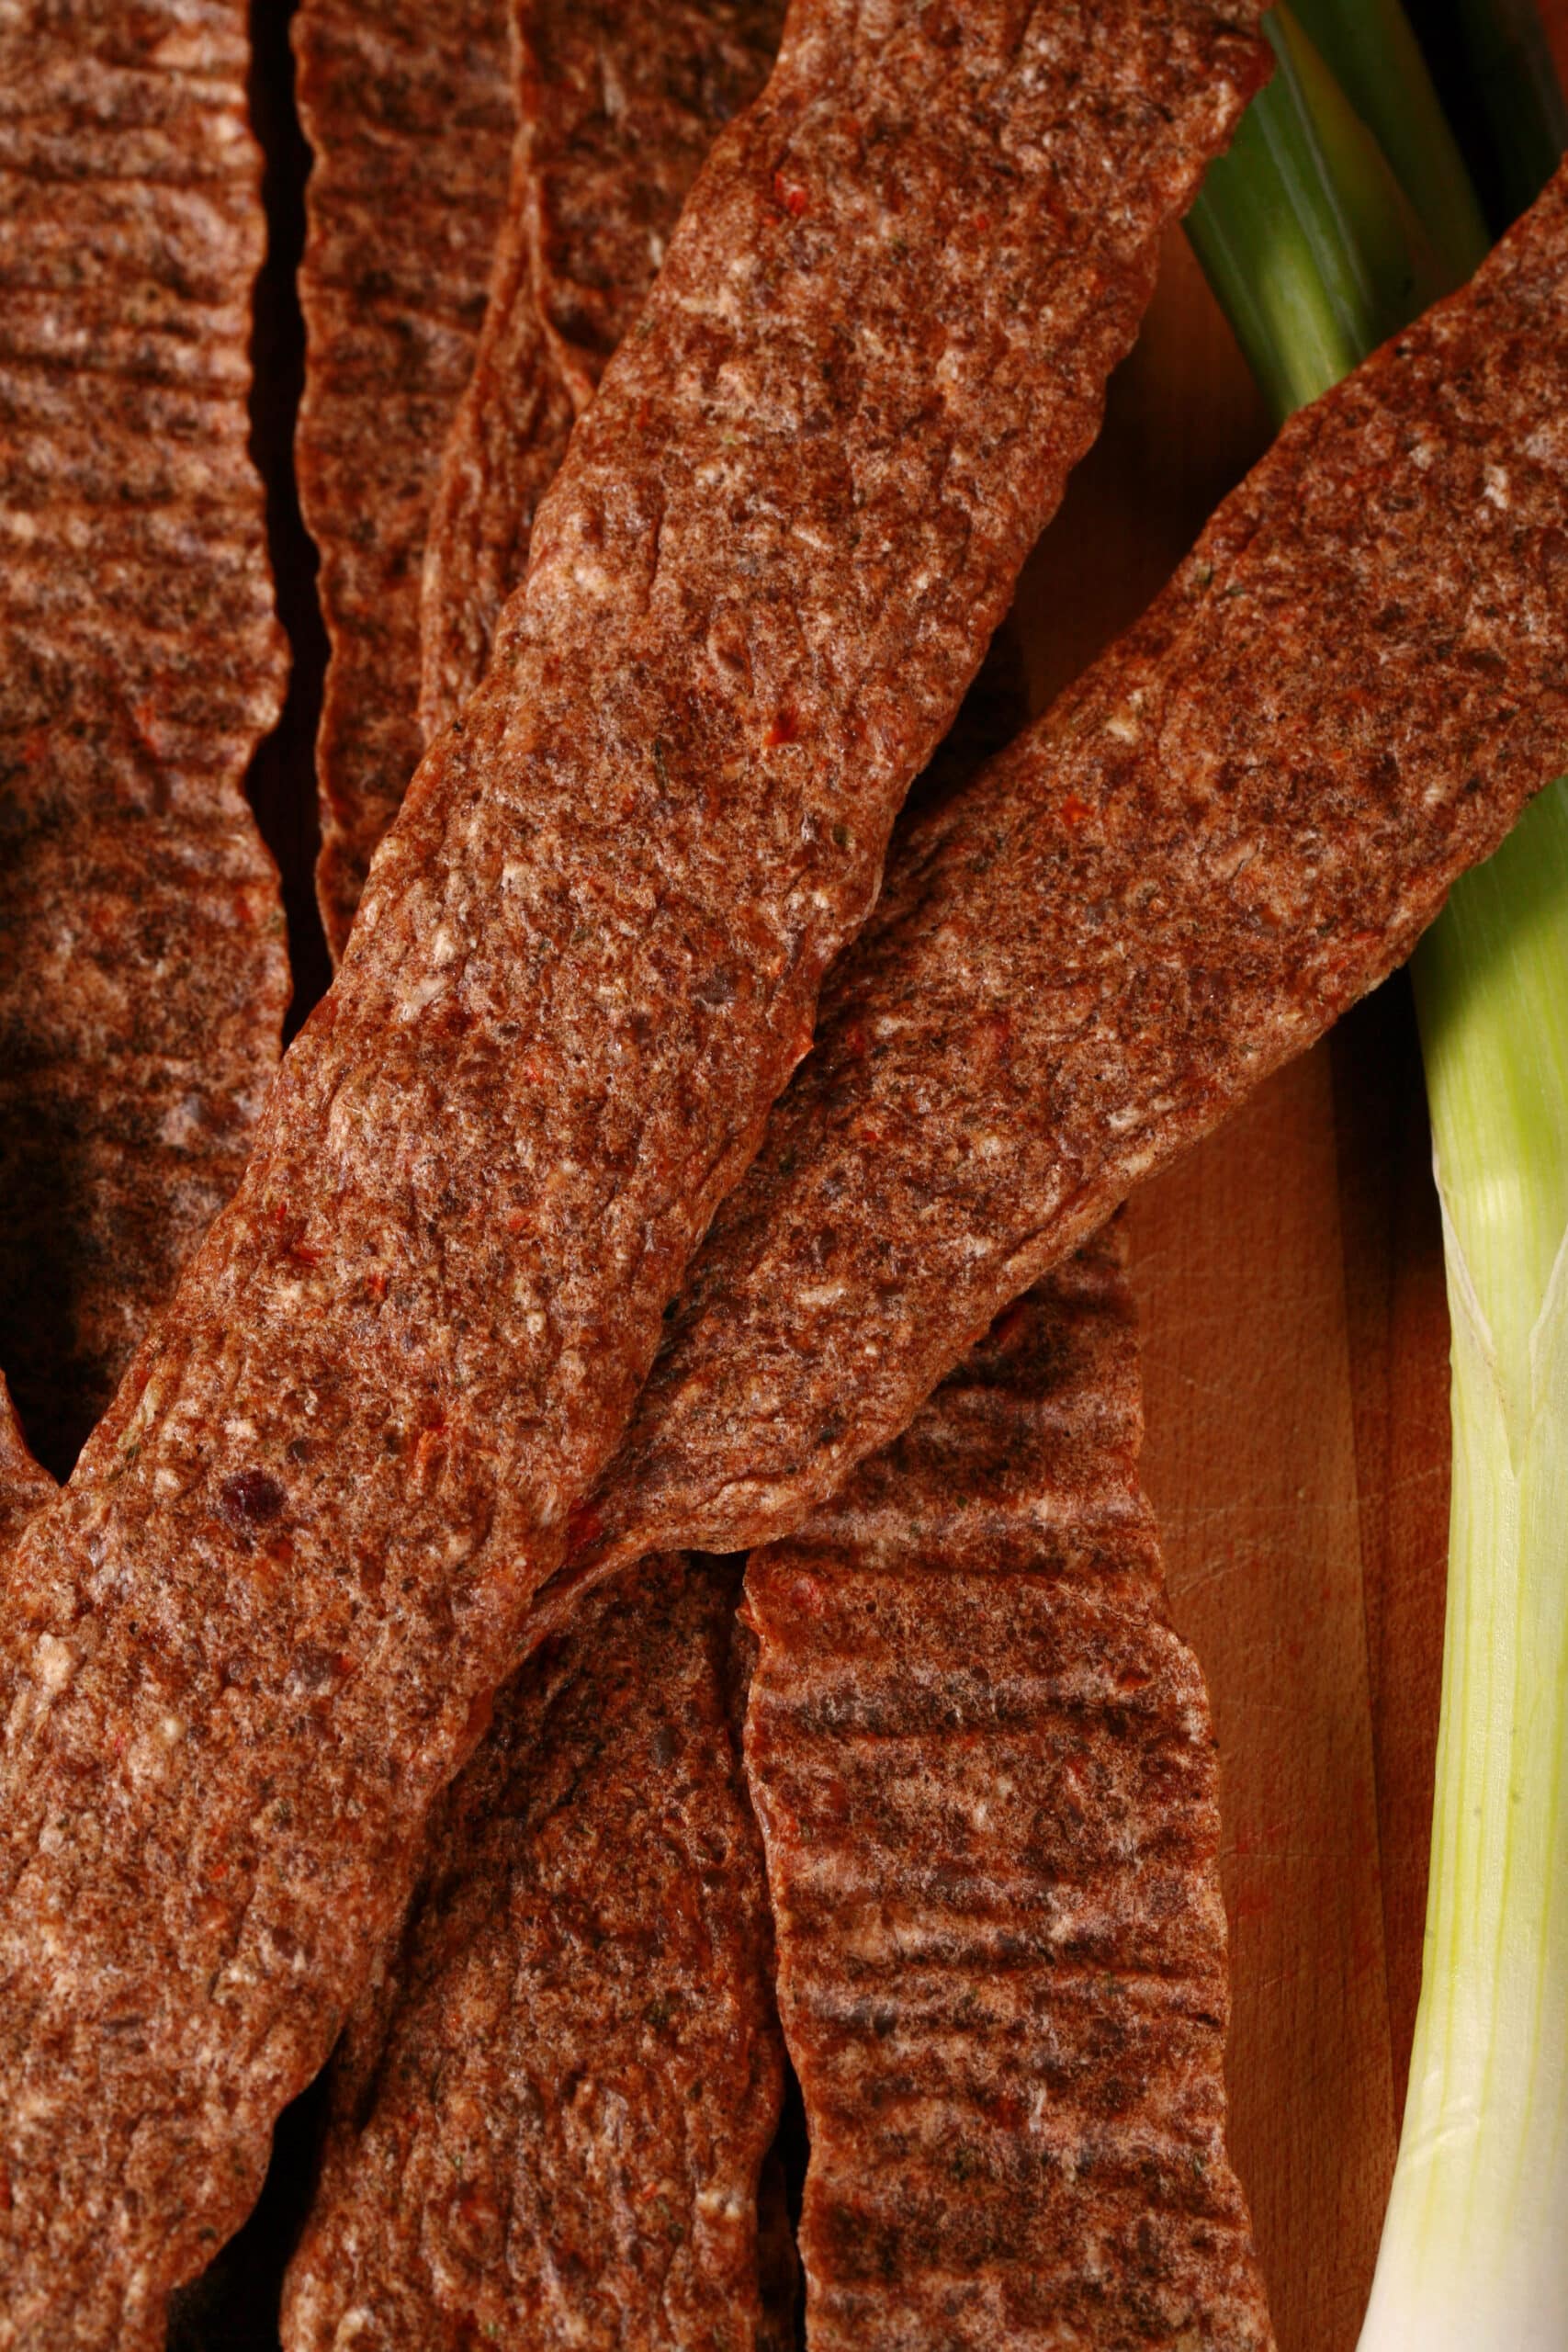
x: 182, y: 1123
x: 422, y: 992
x: 719, y: 2201
x: 166, y: 1482
x: 238, y: 1426
x: 823, y: 1295
x: 19, y: 524
x: 1124, y: 725
x: 535, y: 1324
x: 991, y: 1147
x: 56, y: 1662
x: 1497, y: 489
x: 442, y: 948
x: 170, y: 1730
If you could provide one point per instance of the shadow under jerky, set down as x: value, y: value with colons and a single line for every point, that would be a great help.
x: 984, y: 1770
x: 144, y: 978
x: 549, y: 2118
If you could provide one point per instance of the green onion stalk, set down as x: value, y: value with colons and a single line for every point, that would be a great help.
x: 1300, y: 234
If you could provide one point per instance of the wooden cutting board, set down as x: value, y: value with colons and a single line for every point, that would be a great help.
x: 1290, y: 1278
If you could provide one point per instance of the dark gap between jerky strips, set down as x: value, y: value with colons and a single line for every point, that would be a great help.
x: 549, y: 2119
x: 985, y: 1774
x: 143, y: 977
x: 408, y: 109
x: 1235, y: 823
x: 298, y: 1555
x: 618, y: 106
x: 25, y: 1485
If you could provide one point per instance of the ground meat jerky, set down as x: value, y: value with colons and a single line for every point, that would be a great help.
x: 142, y: 977
x: 408, y: 109
x: 617, y: 108
x: 559, y: 2141
x: 1237, y: 821
x: 299, y: 1552
x: 984, y: 1769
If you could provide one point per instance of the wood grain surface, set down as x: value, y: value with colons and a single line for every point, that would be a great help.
x: 1289, y: 1277
x: 1255, y: 1362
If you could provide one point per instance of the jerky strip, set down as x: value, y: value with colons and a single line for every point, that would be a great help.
x: 617, y: 108
x: 142, y: 970
x: 301, y: 1550
x: 409, y: 108
x: 559, y: 2139
x: 985, y: 1774
x: 1238, y: 821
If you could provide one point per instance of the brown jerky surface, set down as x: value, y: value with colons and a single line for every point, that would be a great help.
x: 142, y: 970
x: 24, y: 1483
x: 299, y: 1554
x: 617, y: 108
x: 985, y: 1774
x: 408, y: 109
x: 1235, y: 823
x: 560, y: 2137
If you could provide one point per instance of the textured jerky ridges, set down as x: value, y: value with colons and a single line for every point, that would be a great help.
x: 301, y: 1546
x: 984, y: 1770
x: 408, y: 106
x: 144, y: 978
x: 1234, y: 825
x: 617, y: 108
x: 560, y: 2138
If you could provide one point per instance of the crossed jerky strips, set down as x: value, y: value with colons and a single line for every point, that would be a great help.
x: 1235, y: 823
x: 985, y: 1772
x: 1434, y: 423
x: 299, y: 1554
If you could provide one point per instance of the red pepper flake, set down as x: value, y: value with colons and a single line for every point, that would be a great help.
x: 856, y: 1042
x: 785, y: 729
x: 789, y: 195
x: 305, y: 1253
x: 430, y: 1446
x: 376, y: 1284
x: 1075, y: 811
x: 983, y: 222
